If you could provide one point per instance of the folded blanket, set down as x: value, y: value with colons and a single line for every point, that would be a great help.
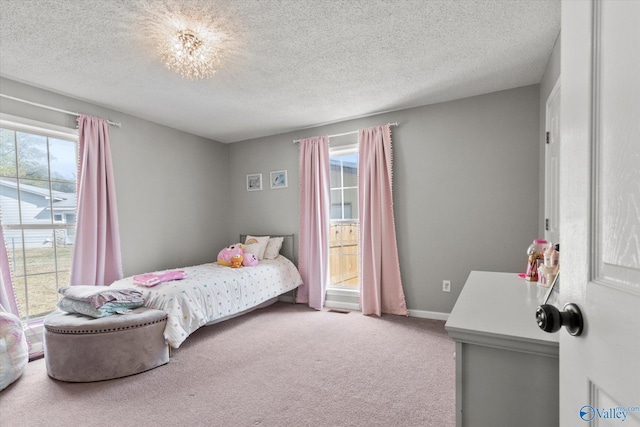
x: 71, y: 305
x: 152, y: 279
x: 97, y: 296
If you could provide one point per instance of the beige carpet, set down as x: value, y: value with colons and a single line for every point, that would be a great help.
x: 285, y: 365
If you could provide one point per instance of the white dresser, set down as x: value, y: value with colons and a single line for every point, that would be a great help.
x: 506, y: 367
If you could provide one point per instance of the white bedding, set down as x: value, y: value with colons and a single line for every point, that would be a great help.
x: 211, y: 291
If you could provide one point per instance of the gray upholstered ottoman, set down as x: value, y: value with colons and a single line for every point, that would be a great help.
x: 82, y: 349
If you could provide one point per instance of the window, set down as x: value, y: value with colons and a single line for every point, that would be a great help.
x: 343, y: 230
x: 38, y: 210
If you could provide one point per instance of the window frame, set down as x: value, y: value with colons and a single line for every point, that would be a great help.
x: 34, y: 127
x: 336, y: 152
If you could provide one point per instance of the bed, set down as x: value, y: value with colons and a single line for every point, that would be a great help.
x: 211, y: 293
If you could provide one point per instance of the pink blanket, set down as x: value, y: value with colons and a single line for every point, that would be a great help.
x: 152, y: 279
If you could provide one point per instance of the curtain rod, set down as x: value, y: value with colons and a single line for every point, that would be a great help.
x: 295, y: 141
x: 117, y: 124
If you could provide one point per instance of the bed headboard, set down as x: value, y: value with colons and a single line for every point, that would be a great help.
x: 288, y: 249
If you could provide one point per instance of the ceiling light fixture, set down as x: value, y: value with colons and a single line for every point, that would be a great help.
x: 191, y: 53
x: 190, y: 37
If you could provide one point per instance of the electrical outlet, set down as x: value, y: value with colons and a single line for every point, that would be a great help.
x: 446, y: 286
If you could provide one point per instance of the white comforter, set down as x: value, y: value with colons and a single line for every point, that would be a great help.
x: 211, y: 291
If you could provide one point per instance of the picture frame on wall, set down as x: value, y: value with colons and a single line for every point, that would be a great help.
x: 254, y: 182
x: 279, y: 179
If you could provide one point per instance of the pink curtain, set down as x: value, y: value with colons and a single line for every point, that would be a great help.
x: 96, y: 255
x: 380, y: 282
x: 313, y: 257
x: 8, y: 301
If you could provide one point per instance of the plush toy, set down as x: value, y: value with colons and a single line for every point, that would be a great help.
x: 225, y: 255
x: 236, y: 261
x: 14, y: 350
x: 250, y: 260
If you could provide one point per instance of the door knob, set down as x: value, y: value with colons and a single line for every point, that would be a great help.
x: 550, y: 319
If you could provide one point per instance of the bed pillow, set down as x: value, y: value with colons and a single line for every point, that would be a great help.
x: 273, y: 247
x: 252, y: 248
x: 260, y: 240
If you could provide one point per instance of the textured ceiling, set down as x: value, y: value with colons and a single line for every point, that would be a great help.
x: 291, y: 64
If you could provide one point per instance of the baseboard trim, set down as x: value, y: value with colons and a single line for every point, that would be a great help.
x: 424, y: 314
x: 435, y: 315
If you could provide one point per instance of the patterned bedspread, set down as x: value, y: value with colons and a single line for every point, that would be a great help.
x: 211, y: 291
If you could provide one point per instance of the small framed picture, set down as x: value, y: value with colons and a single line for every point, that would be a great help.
x: 279, y: 179
x: 254, y: 182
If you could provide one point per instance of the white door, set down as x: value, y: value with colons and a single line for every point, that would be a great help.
x: 552, y: 165
x: 600, y: 212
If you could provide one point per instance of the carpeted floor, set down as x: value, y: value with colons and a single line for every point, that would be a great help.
x: 285, y: 365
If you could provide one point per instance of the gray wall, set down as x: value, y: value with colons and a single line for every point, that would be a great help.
x: 171, y: 187
x: 465, y: 186
x: 466, y: 180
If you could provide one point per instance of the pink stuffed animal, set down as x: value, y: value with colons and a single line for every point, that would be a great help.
x: 225, y: 255
x: 250, y: 260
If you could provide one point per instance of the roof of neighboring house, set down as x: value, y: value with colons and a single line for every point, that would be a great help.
x: 61, y: 200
